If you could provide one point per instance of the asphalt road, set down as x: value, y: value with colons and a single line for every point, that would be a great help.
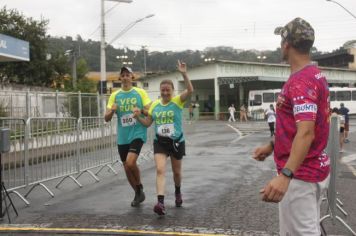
x: 220, y: 191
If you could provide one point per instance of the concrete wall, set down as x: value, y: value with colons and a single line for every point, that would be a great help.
x: 20, y: 87
x: 269, y: 76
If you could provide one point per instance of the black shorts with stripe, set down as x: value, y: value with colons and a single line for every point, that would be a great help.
x: 135, y: 146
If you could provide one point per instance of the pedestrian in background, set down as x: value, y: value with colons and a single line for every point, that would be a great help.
x: 243, y: 113
x: 232, y: 111
x: 341, y: 126
x: 302, y: 130
x: 271, y: 118
x: 345, y: 112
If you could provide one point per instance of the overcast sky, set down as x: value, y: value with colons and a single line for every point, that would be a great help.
x: 194, y: 24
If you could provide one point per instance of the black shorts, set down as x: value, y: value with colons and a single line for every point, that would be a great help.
x: 135, y: 147
x: 342, y: 129
x: 169, y: 150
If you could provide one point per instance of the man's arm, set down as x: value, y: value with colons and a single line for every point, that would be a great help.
x: 301, y: 144
x: 111, y: 108
x: 262, y: 152
x: 146, y: 121
x: 109, y: 113
x: 145, y: 109
x: 278, y: 186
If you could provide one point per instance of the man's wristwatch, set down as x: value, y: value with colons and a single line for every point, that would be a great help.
x: 287, y: 172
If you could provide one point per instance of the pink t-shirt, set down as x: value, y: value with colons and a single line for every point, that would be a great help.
x: 304, y: 97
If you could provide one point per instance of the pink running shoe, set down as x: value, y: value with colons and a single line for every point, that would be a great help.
x: 159, y: 209
x: 179, y: 200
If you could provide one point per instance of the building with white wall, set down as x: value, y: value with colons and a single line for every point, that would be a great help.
x: 220, y: 83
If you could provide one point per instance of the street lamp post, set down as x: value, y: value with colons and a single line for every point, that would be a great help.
x: 129, y: 26
x: 103, y: 46
x: 209, y: 59
x: 261, y: 58
x: 342, y: 8
x: 124, y: 60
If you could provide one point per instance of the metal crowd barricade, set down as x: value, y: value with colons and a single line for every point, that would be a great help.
x: 24, y: 104
x: 13, y: 162
x: 147, y: 149
x: 60, y: 143
x: 112, y: 126
x: 50, y: 150
x: 333, y: 202
x: 96, y: 144
x: 17, y: 104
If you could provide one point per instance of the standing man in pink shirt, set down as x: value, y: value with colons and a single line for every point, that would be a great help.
x: 302, y: 131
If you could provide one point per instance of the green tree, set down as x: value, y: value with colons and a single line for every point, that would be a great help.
x: 60, y: 67
x: 159, y: 61
x: 85, y: 86
x: 39, y: 71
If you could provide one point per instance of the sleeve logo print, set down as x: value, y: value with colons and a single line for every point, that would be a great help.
x: 304, y: 108
x: 319, y: 76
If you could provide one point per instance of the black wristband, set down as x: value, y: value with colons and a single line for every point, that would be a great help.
x: 272, y: 144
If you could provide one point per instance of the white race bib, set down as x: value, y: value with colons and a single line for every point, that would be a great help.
x: 166, y: 130
x: 128, y: 120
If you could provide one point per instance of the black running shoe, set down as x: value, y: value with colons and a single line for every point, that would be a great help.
x: 139, y: 197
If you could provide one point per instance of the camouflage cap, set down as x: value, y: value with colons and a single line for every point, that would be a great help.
x: 296, y: 31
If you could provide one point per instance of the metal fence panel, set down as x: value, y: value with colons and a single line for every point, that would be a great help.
x: 51, y: 148
x: 48, y: 104
x: 13, y: 162
x: 332, y: 150
x: 96, y: 142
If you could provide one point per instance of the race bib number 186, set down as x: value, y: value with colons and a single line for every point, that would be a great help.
x: 166, y: 130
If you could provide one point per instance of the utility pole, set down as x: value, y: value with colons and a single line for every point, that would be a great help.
x: 102, y: 50
x: 103, y: 45
x: 72, y: 54
x: 144, y: 48
x: 74, y: 70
